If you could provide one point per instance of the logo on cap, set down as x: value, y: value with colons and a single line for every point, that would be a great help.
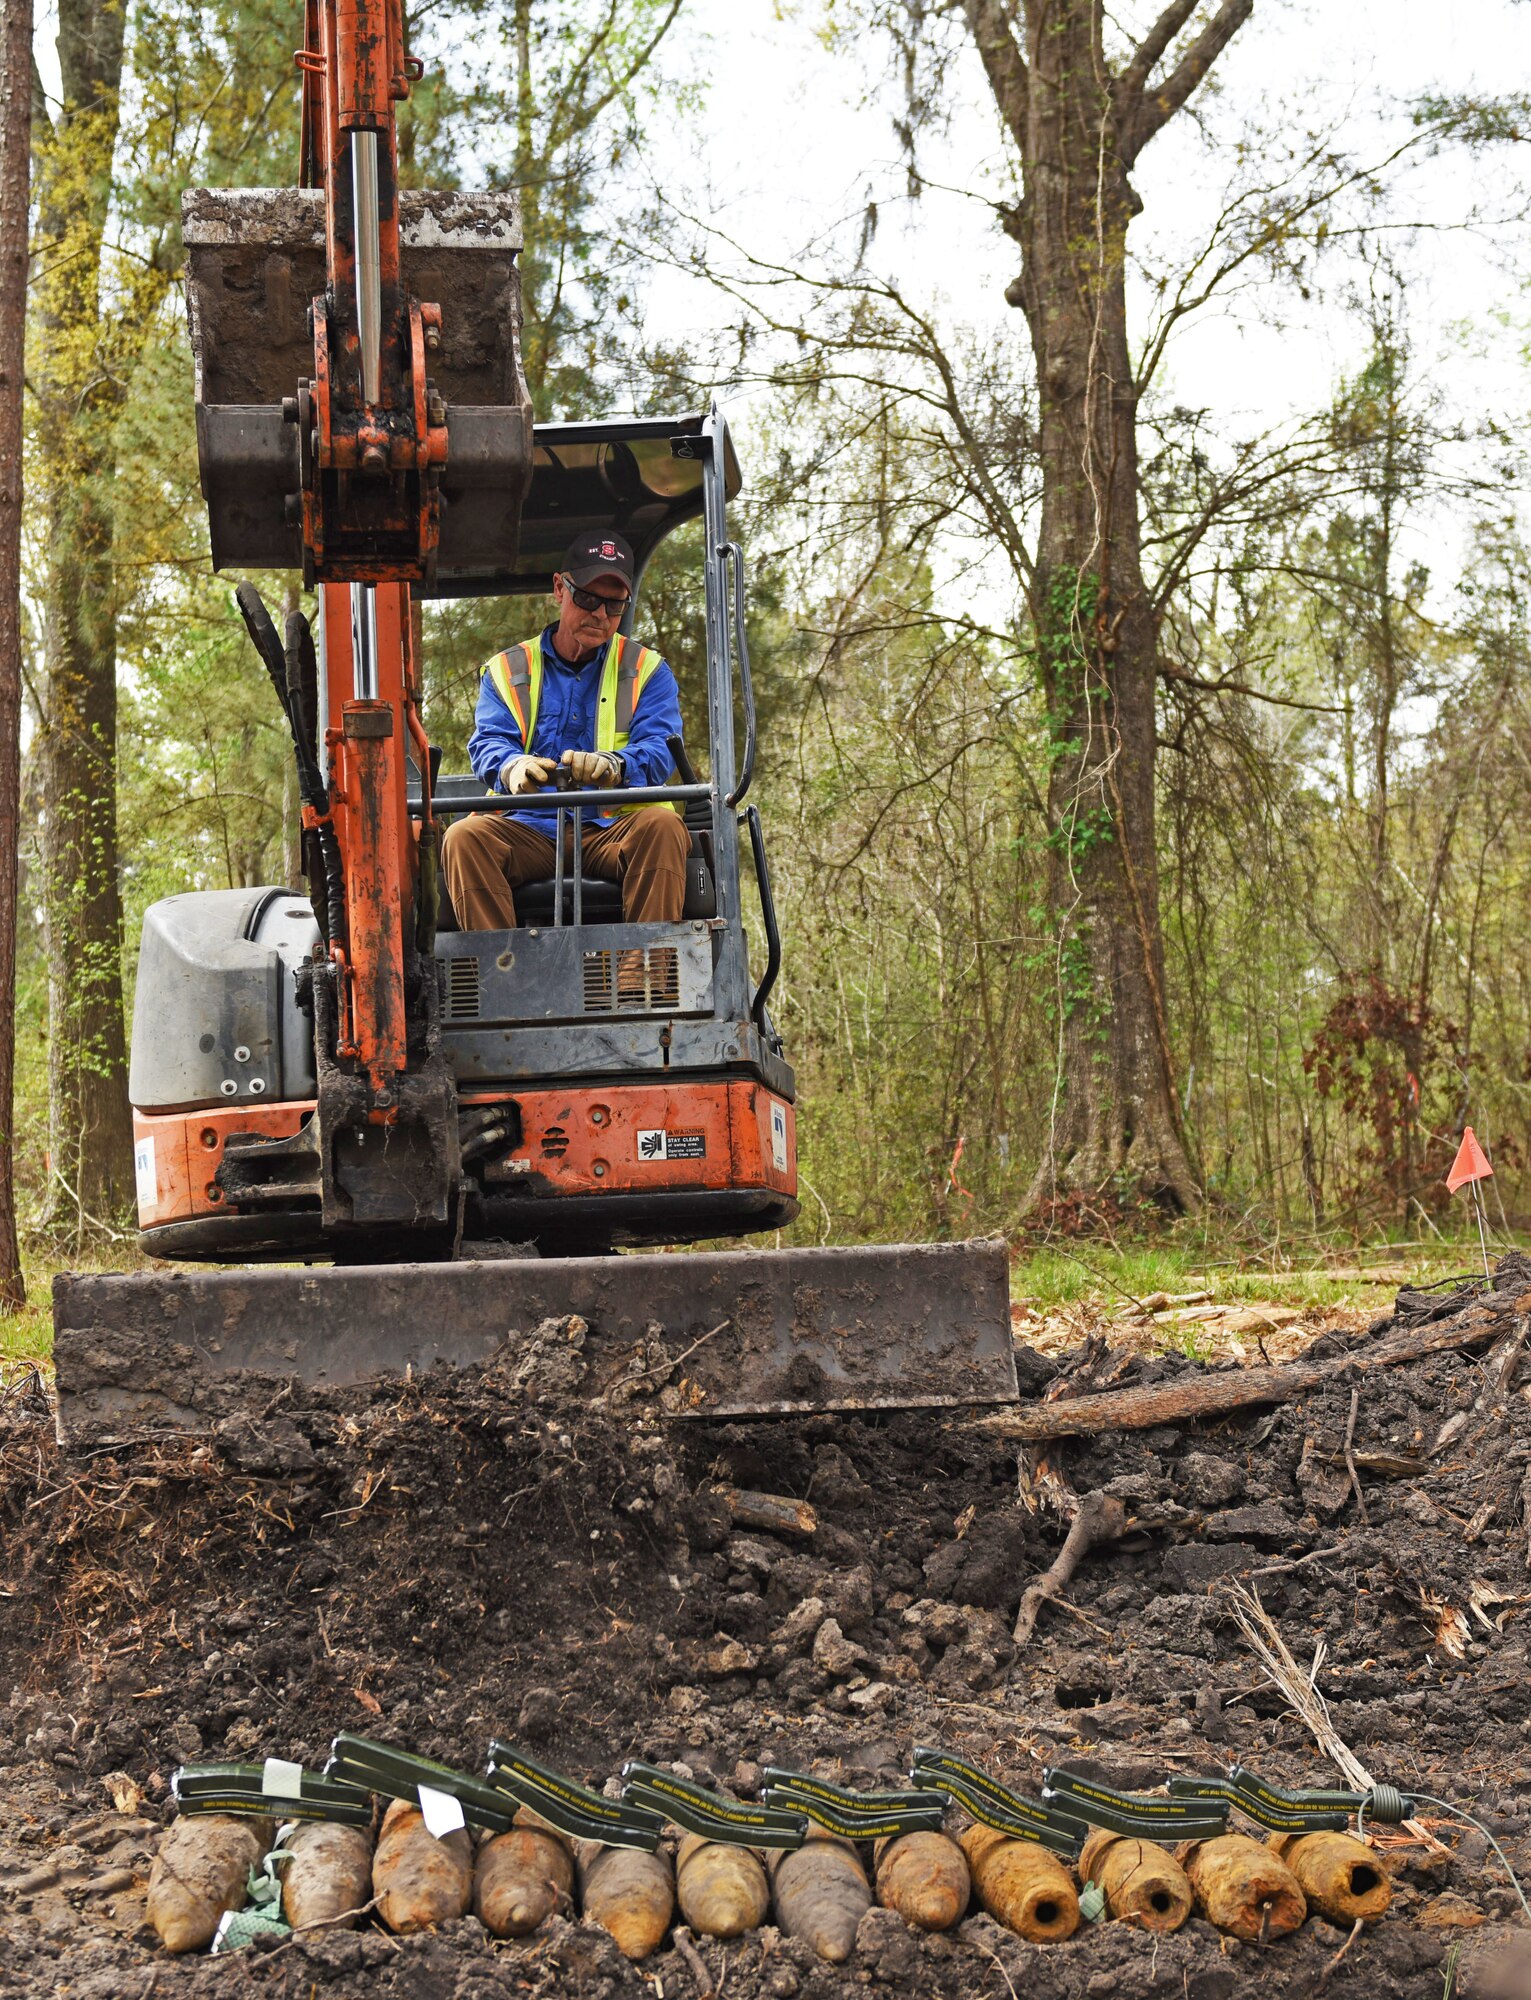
x: 608, y: 548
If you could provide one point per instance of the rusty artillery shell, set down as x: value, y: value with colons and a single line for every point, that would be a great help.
x: 627, y: 1892
x: 520, y: 1878
x: 924, y: 1876
x: 419, y: 1880
x: 200, y: 1871
x: 1243, y: 1887
x: 326, y: 1882
x: 722, y: 1890
x: 1022, y: 1885
x: 1341, y: 1877
x: 822, y: 1893
x: 1141, y: 1881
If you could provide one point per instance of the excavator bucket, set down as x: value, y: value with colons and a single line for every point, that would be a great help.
x: 255, y: 260
x: 752, y: 1333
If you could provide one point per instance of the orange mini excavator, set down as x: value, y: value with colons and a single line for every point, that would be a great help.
x: 455, y: 1130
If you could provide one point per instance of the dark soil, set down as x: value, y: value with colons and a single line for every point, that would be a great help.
x: 487, y: 1553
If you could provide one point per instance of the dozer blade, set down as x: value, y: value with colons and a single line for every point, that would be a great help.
x: 774, y: 1331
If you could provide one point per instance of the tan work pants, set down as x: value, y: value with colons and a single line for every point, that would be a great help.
x: 487, y: 855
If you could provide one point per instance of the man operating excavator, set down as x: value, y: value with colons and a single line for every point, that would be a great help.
x: 582, y: 696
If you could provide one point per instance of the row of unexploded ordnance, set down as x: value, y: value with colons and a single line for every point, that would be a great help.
x: 820, y: 1891
x: 513, y: 1882
x: 1241, y: 1885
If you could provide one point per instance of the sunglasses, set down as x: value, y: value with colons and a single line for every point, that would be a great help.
x: 592, y: 600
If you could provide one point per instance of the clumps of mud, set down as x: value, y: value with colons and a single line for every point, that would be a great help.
x: 485, y: 1552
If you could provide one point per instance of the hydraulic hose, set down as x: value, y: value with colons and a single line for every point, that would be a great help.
x: 302, y: 664
x: 293, y: 670
x: 252, y: 608
x: 302, y: 682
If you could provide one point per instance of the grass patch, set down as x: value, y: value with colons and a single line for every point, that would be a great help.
x: 1315, y: 1275
x: 26, y: 1335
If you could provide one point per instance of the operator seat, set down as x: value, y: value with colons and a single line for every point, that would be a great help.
x: 600, y: 903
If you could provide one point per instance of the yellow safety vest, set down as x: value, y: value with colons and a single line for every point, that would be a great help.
x: 628, y: 668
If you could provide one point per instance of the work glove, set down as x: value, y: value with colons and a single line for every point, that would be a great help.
x: 598, y: 768
x: 525, y: 774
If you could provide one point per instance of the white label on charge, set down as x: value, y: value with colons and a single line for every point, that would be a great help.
x: 442, y: 1813
x: 281, y: 1780
x: 145, y: 1181
x: 779, y: 1137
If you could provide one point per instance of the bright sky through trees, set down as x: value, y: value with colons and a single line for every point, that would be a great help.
x: 795, y: 138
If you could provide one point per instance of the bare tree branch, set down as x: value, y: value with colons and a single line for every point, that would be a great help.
x: 582, y: 116
x: 1155, y: 108
x: 1150, y: 51
x: 1168, y: 671
x: 993, y: 28
x: 1198, y: 283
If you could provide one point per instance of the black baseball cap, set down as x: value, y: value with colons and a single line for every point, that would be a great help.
x: 596, y: 555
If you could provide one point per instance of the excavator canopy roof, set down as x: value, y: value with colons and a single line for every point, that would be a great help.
x: 633, y: 474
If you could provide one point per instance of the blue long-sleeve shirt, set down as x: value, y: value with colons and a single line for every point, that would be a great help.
x: 566, y: 721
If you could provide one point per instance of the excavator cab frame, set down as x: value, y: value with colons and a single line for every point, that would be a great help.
x: 585, y: 1114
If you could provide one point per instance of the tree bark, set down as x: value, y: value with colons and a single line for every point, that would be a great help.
x: 78, y: 393
x: 1079, y: 127
x: 15, y: 196
x: 1227, y: 1389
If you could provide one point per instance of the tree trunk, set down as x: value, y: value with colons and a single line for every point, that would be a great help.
x: 90, y: 1128
x: 1117, y: 1119
x: 15, y: 189
x: 1078, y: 127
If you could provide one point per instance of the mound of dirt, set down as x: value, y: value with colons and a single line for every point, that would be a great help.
x: 484, y: 1552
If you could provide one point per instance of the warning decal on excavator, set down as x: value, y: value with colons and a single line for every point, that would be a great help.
x: 145, y: 1180
x: 672, y: 1145
x: 779, y: 1137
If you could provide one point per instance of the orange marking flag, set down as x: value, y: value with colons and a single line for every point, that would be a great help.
x: 1470, y: 1164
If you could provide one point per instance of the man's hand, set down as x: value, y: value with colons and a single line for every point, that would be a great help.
x: 525, y: 774
x: 594, y: 768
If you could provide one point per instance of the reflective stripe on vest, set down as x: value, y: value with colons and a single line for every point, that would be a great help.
x: 627, y: 671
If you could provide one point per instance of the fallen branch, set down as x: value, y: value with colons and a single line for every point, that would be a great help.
x: 1499, y: 1377
x: 1041, y: 1481
x: 1297, y: 1562
x: 696, y: 1965
x: 1100, y: 1519
x: 1334, y: 1964
x: 666, y: 1366
x: 299, y: 1931
x: 1235, y: 1388
x: 769, y: 1513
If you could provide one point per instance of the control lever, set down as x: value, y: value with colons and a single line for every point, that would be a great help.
x: 682, y: 761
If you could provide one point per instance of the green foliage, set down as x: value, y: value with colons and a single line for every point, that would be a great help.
x: 1082, y: 832
x: 1066, y: 648
x: 584, y: 80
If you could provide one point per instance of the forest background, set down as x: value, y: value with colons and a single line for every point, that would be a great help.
x: 1311, y: 810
